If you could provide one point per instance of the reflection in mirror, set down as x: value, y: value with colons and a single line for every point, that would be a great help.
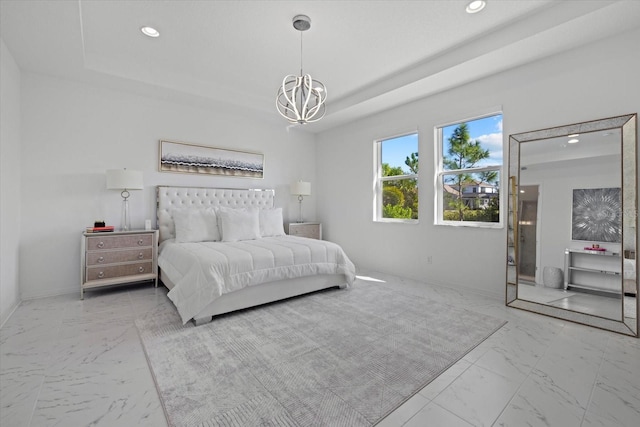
x: 572, y: 223
x: 563, y: 181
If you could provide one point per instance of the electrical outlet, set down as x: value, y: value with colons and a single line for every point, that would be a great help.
x: 429, y: 259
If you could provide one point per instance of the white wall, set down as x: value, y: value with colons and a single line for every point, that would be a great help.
x: 73, y: 132
x: 587, y: 83
x: 9, y: 182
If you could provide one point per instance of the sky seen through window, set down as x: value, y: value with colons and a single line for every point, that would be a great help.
x: 487, y: 130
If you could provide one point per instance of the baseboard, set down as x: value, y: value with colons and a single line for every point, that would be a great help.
x: 489, y: 294
x: 454, y: 286
x: 27, y: 296
x: 8, y: 312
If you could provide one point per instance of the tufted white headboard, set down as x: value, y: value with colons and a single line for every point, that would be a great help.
x: 169, y: 198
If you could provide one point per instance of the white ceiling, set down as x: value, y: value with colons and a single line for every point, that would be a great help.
x: 371, y: 55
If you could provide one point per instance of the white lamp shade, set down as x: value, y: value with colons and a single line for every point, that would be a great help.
x: 301, y: 188
x: 121, y: 179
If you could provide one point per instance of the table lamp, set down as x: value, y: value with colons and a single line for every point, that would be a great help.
x: 301, y: 189
x: 125, y: 180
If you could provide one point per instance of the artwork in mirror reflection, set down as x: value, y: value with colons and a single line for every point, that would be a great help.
x: 597, y: 214
x: 568, y: 224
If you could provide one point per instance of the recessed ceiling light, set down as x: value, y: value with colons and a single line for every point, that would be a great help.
x: 573, y: 135
x: 476, y: 6
x: 150, y: 32
x: 573, y: 141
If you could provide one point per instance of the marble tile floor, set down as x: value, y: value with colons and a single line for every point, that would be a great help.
x: 66, y: 362
x: 598, y: 305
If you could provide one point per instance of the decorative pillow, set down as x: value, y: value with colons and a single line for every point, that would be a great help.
x: 196, y: 225
x: 239, y: 224
x: 271, y: 223
x: 224, y: 209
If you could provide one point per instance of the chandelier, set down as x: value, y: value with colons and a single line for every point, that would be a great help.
x: 301, y: 99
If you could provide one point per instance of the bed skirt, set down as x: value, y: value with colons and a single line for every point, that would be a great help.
x: 264, y: 293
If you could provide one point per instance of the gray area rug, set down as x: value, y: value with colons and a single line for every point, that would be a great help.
x: 333, y: 358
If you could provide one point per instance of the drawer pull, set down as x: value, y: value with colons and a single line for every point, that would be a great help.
x: 140, y: 242
x: 101, y: 275
x: 140, y: 255
x: 100, y: 245
x: 101, y: 259
x: 141, y: 269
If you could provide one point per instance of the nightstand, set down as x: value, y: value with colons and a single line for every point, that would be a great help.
x: 312, y: 230
x: 116, y: 258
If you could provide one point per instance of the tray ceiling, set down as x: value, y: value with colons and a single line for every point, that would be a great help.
x: 371, y: 55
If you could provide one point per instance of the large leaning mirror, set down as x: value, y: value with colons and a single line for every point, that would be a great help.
x: 572, y: 223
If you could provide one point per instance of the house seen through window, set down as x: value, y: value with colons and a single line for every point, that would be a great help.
x: 396, y: 188
x: 468, y: 171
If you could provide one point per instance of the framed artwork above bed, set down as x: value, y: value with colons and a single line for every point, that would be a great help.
x: 201, y: 159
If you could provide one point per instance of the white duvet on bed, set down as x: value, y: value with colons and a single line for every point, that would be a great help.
x: 204, y: 271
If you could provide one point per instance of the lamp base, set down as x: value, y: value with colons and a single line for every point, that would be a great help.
x: 125, y: 220
x: 300, y: 197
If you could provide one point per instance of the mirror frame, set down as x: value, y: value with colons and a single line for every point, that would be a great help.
x: 628, y: 126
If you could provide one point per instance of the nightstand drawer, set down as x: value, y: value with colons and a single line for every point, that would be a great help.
x: 306, y: 229
x: 108, y: 272
x: 117, y: 256
x: 114, y: 242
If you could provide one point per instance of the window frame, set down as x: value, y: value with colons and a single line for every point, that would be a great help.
x: 440, y: 172
x: 378, y: 180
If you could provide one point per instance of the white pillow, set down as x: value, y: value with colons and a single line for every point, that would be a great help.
x: 196, y: 225
x: 224, y: 209
x: 239, y: 224
x: 271, y: 223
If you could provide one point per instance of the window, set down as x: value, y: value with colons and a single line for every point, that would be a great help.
x: 396, y: 179
x: 469, y: 160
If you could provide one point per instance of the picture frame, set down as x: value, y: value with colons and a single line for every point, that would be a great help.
x: 596, y: 215
x: 183, y: 157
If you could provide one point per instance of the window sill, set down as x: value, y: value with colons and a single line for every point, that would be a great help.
x: 396, y: 221
x: 473, y: 224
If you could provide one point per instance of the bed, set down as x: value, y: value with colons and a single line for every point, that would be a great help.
x: 214, y: 259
